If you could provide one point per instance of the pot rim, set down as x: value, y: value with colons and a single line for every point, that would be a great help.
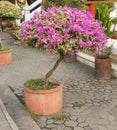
x: 102, y: 58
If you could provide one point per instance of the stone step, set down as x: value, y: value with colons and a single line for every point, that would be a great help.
x: 6, y: 122
x: 17, y: 110
x: 114, y: 58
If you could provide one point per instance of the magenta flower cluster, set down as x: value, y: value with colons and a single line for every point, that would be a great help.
x: 63, y: 29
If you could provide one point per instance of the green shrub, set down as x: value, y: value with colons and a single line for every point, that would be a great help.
x: 69, y: 3
x: 103, y: 14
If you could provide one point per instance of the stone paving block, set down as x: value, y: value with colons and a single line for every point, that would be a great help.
x: 78, y: 128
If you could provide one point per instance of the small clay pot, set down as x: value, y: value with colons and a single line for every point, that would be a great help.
x: 103, y: 68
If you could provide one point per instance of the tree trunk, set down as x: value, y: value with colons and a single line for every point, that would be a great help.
x: 53, y: 69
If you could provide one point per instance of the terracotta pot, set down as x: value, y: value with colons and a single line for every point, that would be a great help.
x: 44, y: 102
x: 103, y: 68
x: 70, y: 59
x: 6, y: 57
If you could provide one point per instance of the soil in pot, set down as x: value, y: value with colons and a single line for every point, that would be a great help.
x: 103, y: 68
x: 44, y: 102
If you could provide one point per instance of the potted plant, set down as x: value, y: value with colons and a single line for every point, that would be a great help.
x: 8, y: 11
x: 58, y: 29
x: 103, y: 68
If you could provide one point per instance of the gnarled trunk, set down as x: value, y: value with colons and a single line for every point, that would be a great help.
x: 53, y: 69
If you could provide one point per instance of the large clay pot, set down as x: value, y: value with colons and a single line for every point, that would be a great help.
x: 44, y: 102
x: 6, y: 57
x: 103, y: 68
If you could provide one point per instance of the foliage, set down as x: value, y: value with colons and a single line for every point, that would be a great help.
x: 69, y: 3
x: 103, y: 14
x: 66, y: 30
x: 9, y: 10
x: 114, y: 21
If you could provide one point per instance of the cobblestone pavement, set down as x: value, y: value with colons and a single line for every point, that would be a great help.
x: 89, y: 104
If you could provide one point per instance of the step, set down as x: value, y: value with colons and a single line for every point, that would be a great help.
x: 6, y: 122
x: 114, y: 58
x: 17, y: 110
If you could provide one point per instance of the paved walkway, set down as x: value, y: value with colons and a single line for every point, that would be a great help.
x: 89, y: 104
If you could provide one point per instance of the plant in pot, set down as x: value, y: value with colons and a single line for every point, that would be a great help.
x: 8, y: 11
x: 58, y: 29
x: 103, y: 69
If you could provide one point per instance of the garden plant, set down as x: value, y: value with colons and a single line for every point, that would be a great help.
x: 8, y: 12
x: 64, y: 30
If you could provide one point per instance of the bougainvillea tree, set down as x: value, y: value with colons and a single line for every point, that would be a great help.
x: 65, y: 30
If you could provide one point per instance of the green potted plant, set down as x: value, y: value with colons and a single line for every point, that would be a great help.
x: 103, y: 68
x: 8, y: 11
x: 58, y: 29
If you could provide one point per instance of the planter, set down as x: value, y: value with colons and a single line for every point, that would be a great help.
x: 70, y: 59
x: 44, y: 102
x: 103, y: 68
x: 6, y: 57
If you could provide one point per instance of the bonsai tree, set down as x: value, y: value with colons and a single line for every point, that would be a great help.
x: 8, y: 11
x: 64, y: 30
